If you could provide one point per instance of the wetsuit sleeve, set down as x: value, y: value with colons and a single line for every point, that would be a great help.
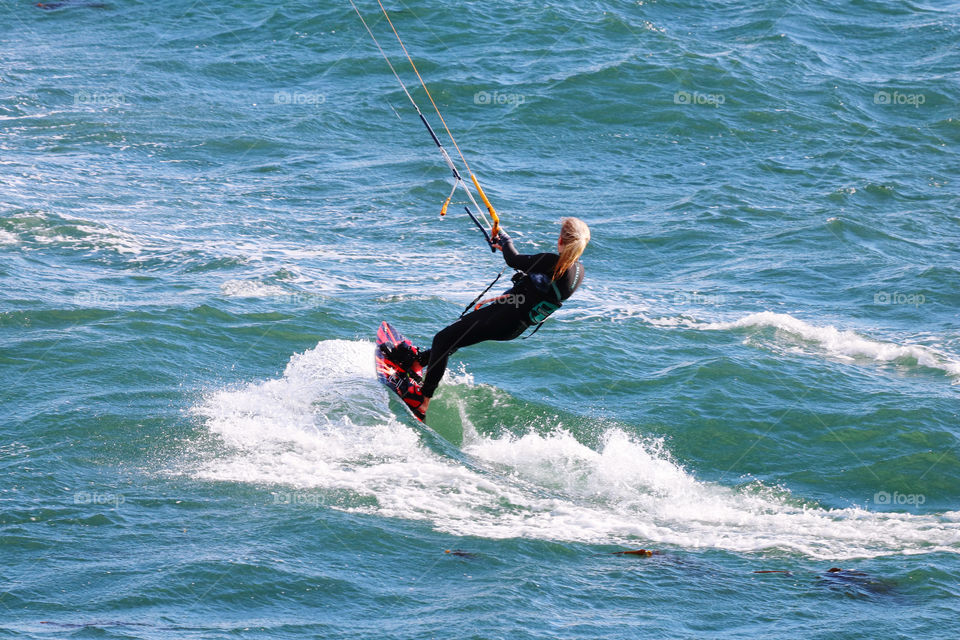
x: 571, y: 280
x: 516, y: 260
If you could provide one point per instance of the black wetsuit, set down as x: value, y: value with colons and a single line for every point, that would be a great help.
x: 510, y: 314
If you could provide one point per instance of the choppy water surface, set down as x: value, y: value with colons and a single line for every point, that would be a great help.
x: 206, y: 210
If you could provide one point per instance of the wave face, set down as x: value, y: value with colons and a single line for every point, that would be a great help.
x: 325, y: 425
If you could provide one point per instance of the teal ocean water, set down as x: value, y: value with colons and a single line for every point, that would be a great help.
x: 207, y: 208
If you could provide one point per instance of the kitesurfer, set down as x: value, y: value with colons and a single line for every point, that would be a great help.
x: 544, y: 282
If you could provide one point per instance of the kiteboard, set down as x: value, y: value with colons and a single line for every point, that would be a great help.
x: 398, y: 368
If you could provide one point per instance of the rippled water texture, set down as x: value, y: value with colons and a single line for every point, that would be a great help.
x: 207, y: 209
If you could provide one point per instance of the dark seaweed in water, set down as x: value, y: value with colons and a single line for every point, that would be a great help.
x: 115, y: 623
x: 47, y: 6
x: 854, y: 583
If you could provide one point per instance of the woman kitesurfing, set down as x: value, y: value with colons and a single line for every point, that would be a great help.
x: 543, y: 280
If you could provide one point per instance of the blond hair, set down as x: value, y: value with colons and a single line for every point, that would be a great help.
x: 575, y: 235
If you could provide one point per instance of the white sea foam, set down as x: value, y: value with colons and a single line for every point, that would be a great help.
x: 251, y: 289
x: 8, y: 238
x: 842, y: 343
x: 325, y: 426
x: 83, y: 234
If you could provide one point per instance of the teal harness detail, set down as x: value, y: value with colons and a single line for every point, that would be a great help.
x: 543, y: 309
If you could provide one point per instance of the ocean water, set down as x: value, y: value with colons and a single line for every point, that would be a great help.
x: 207, y: 208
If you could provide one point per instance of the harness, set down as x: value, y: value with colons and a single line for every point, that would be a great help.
x: 540, y: 311
x: 543, y: 309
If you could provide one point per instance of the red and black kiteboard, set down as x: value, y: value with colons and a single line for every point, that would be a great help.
x: 398, y: 367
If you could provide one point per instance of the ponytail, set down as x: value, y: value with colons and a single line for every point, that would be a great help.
x: 575, y: 235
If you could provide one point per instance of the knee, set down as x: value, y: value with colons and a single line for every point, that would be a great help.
x: 444, y: 341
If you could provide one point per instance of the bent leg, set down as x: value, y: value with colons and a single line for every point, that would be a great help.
x: 489, y: 323
x: 444, y: 344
